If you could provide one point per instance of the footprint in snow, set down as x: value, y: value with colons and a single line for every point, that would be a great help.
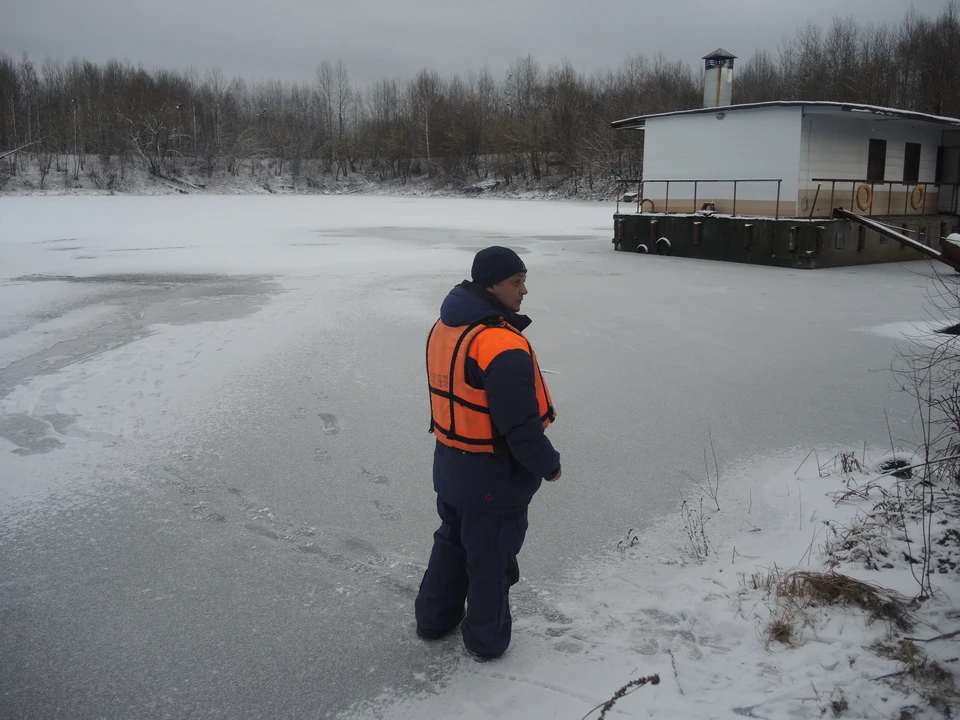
x: 263, y: 532
x: 386, y: 511
x: 375, y: 479
x: 331, y: 426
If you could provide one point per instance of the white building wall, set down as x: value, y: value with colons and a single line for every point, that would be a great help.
x: 837, y: 146
x: 761, y: 143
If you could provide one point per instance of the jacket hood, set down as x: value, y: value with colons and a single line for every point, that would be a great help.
x: 468, y: 303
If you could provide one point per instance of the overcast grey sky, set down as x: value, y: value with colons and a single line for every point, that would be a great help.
x: 287, y: 39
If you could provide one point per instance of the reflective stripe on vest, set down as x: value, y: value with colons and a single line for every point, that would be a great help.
x: 459, y: 412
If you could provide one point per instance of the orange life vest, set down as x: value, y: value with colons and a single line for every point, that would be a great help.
x: 459, y: 412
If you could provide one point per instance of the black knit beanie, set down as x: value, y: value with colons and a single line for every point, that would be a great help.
x: 495, y: 264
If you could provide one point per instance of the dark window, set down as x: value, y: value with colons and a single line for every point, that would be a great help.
x: 911, y: 163
x: 877, y: 160
x: 838, y: 243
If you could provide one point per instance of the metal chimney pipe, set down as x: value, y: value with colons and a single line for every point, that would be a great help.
x: 718, y: 79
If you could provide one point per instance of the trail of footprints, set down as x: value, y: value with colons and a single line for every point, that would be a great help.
x: 357, y: 556
x: 401, y: 577
x: 353, y: 554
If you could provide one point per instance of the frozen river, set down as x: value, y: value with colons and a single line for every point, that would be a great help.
x: 214, y: 467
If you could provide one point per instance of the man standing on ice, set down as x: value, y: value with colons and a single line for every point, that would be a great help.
x: 489, y: 407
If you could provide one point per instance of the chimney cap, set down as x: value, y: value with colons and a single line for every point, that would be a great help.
x: 720, y: 54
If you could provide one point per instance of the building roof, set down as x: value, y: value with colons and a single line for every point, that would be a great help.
x: 720, y: 54
x: 640, y: 120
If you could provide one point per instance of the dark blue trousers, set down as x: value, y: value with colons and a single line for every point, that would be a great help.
x: 474, y: 560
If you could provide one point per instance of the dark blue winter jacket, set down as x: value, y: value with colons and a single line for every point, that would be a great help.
x: 511, y: 477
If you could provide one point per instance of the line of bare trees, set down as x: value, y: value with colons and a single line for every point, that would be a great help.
x: 533, y: 125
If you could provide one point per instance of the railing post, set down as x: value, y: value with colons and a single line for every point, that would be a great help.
x: 889, y: 197
x: 694, y: 195
x: 640, y: 186
x: 814, y: 206
x: 777, y: 211
x: 833, y: 186
x: 906, y: 198
x: 853, y: 194
x: 923, y: 208
x: 734, y: 198
x: 666, y: 200
x: 873, y: 191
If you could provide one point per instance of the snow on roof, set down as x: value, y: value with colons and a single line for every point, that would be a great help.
x: 640, y: 120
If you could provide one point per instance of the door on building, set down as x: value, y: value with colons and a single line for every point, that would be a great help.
x: 948, y: 176
x: 877, y: 161
x: 911, y: 163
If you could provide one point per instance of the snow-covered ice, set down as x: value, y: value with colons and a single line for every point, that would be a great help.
x: 214, y: 466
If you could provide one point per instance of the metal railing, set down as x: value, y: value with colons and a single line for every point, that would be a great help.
x: 857, y: 185
x: 641, y: 185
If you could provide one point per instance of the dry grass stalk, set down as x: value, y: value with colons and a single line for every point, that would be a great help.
x: 929, y: 678
x: 832, y: 588
x: 762, y: 580
x: 695, y: 524
x: 865, y: 540
x: 849, y: 463
x: 780, y: 628
x: 630, y: 687
x: 838, y: 703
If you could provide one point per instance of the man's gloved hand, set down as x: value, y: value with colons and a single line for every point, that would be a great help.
x: 557, y: 476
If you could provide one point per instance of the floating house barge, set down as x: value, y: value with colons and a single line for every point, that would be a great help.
x: 761, y: 183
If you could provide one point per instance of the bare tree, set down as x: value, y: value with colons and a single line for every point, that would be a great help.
x: 531, y: 124
x: 567, y: 105
x: 758, y: 80
x: 346, y: 107
x: 525, y: 129
x: 325, y: 102
x: 426, y: 92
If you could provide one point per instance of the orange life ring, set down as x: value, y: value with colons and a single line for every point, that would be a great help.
x: 916, y: 197
x: 864, y: 202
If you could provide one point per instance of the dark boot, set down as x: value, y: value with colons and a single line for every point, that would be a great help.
x: 513, y: 571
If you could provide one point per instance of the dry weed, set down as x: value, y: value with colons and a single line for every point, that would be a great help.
x: 762, y: 580
x: 831, y: 588
x: 780, y: 628
x: 920, y: 673
x: 695, y: 524
x: 864, y: 540
x: 838, y: 703
x: 849, y: 463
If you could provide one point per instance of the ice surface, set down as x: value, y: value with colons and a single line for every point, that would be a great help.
x: 214, y: 464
